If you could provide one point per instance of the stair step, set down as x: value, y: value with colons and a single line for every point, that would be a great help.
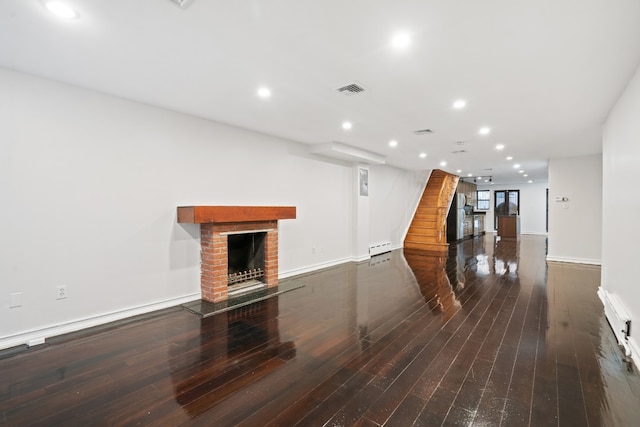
x: 432, y: 210
x: 428, y: 227
x: 417, y: 238
x: 435, y: 247
x: 425, y: 225
x: 425, y: 232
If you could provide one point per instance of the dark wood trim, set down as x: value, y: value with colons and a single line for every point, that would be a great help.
x: 230, y: 214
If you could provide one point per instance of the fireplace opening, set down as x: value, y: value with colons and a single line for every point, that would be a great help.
x: 246, y: 259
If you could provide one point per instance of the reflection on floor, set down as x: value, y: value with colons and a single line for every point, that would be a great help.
x: 230, y: 354
x: 489, y: 335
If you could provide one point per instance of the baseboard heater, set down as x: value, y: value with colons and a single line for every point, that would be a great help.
x: 379, y: 248
x: 618, y: 319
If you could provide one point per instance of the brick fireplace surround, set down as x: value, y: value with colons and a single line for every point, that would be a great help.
x: 216, y: 224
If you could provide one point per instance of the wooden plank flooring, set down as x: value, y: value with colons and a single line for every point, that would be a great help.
x: 490, y: 335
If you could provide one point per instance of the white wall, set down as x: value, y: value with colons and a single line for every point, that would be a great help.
x: 574, y: 225
x: 90, y: 183
x: 621, y: 163
x: 533, y: 202
x: 394, y: 196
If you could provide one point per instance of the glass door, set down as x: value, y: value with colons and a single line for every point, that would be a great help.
x: 506, y: 202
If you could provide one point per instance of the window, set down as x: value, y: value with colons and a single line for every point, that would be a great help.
x: 484, y: 199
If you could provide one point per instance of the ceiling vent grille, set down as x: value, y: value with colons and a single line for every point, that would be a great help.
x: 351, y: 89
x: 458, y: 151
x: 423, y: 131
x: 182, y: 4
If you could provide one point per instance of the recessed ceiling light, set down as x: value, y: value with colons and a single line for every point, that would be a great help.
x: 443, y: 163
x: 500, y: 147
x: 484, y: 130
x: 393, y: 143
x: 486, y: 180
x: 401, y: 40
x: 264, y: 92
x: 423, y: 155
x: 479, y: 177
x: 459, y: 104
x: 459, y: 171
x: 521, y: 171
x: 346, y: 125
x: 182, y: 4
x: 525, y: 175
x: 61, y: 9
x: 530, y: 181
x: 510, y: 158
x: 469, y: 175
x: 516, y: 166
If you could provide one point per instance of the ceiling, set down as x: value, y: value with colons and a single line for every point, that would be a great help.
x: 542, y: 75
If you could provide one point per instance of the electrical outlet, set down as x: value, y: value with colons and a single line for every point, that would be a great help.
x: 62, y: 292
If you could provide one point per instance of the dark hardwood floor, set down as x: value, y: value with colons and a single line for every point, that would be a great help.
x: 490, y: 335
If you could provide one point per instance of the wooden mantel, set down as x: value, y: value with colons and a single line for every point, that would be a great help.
x: 230, y: 214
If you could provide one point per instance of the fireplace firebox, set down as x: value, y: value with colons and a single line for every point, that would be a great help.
x: 245, y: 259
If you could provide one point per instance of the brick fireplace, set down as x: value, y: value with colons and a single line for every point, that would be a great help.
x: 240, y: 227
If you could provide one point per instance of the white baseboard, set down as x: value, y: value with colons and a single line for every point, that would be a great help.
x: 602, y: 294
x: 574, y: 260
x: 38, y: 336
x: 320, y: 266
x: 614, y: 307
x: 314, y: 267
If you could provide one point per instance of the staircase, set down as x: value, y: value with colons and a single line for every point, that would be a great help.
x: 428, y: 229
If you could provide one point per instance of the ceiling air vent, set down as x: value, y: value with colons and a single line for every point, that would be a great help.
x: 423, y: 131
x: 182, y: 4
x: 458, y: 151
x: 351, y: 89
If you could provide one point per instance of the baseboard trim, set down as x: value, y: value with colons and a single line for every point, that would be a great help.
x: 602, y: 294
x: 328, y: 264
x: 629, y: 344
x: 574, y: 260
x: 314, y: 267
x: 361, y: 258
x: 40, y: 335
